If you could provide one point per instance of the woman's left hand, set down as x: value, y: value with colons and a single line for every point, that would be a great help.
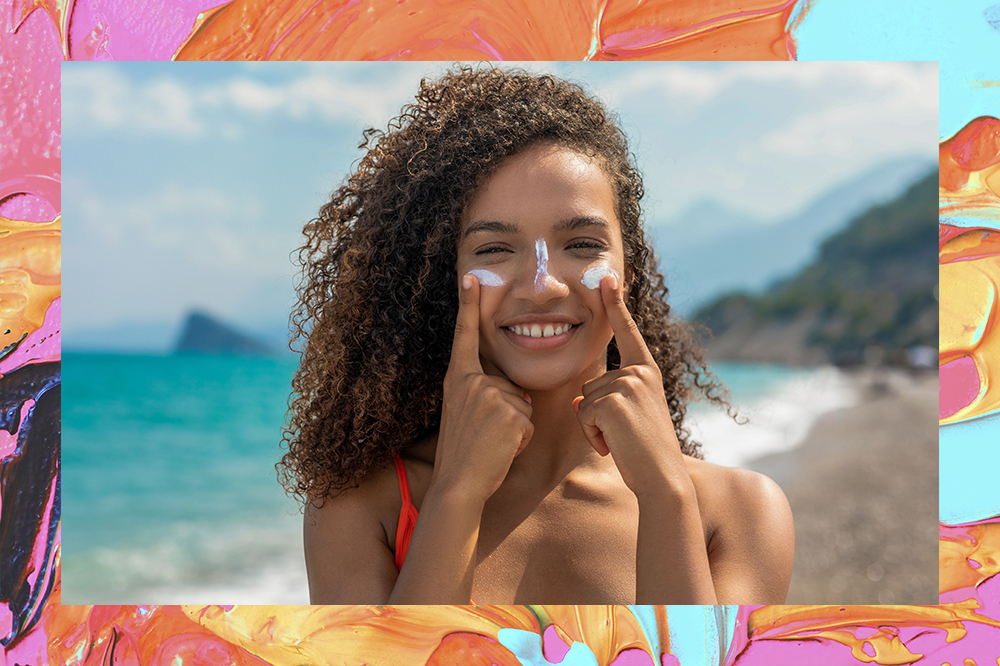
x: 624, y: 412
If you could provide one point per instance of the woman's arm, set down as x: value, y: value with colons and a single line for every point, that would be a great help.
x: 441, y: 558
x: 348, y: 559
x: 753, y: 548
x: 625, y: 413
x: 485, y: 422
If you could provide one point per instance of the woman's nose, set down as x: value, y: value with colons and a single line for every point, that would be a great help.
x: 546, y: 284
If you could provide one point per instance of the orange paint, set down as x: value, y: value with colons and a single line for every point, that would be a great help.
x: 968, y: 555
x: 871, y: 632
x: 969, y: 353
x: 969, y: 190
x: 484, y: 30
x: 29, y: 276
x: 969, y: 165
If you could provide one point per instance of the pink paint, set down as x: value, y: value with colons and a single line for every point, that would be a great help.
x: 127, y: 30
x: 42, y: 344
x: 633, y: 657
x: 959, y: 385
x: 28, y: 208
x: 554, y: 648
x: 29, y: 115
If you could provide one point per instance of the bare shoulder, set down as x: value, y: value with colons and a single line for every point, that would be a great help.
x: 753, y: 537
x: 348, y: 548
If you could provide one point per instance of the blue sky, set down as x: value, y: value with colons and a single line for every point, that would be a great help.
x: 187, y: 184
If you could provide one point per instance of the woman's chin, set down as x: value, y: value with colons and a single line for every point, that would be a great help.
x: 542, y: 379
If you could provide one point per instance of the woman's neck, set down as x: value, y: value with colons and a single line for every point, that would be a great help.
x: 558, y: 444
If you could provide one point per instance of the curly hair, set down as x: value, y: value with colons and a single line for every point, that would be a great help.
x: 378, y: 299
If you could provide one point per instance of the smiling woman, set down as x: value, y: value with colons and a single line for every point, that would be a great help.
x: 492, y: 392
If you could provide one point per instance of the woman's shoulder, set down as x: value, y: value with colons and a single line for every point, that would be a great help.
x: 731, y: 484
x: 349, y: 538
x: 378, y: 496
x: 728, y: 495
x: 751, y: 525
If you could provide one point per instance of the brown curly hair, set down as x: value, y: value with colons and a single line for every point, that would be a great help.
x: 378, y: 296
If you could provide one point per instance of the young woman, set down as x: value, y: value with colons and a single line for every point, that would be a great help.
x: 491, y: 398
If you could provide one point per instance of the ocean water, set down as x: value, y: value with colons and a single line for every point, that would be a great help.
x: 169, y: 493
x: 776, y: 406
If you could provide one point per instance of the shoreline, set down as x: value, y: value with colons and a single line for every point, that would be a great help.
x: 863, y: 487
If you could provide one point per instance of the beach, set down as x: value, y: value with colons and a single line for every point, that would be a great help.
x: 863, y: 487
x: 858, y: 466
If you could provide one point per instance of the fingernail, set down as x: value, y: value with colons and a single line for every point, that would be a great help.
x: 466, y: 281
x: 614, y: 281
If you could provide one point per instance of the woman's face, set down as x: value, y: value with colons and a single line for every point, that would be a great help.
x: 539, y: 234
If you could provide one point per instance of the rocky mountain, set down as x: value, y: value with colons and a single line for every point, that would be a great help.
x: 873, y: 287
x: 750, y: 254
x: 203, y: 334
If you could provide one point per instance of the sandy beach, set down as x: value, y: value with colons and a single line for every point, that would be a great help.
x: 863, y: 487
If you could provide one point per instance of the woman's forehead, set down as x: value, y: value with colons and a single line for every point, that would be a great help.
x: 544, y: 178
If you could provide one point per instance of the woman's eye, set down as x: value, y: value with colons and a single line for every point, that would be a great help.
x: 490, y: 249
x: 587, y: 245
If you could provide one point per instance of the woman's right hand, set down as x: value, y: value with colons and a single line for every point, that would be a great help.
x: 485, y: 420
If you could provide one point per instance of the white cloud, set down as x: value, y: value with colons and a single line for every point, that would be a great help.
x: 689, y: 86
x: 98, y: 98
x: 103, y: 99
x: 207, y: 227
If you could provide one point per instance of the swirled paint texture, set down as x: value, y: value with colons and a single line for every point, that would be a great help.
x: 481, y: 30
x: 969, y: 271
x: 29, y: 325
x: 36, y: 34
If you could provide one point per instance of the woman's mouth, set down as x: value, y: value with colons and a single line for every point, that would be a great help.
x: 540, y: 330
x: 540, y: 336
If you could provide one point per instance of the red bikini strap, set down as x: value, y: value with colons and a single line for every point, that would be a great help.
x: 404, y: 484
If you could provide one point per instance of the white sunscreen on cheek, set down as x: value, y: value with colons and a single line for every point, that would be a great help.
x: 592, y: 278
x: 487, y: 278
x: 542, y: 274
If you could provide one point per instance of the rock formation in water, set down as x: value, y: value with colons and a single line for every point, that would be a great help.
x: 203, y: 334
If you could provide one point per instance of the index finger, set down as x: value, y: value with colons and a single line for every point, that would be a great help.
x: 465, y: 345
x: 631, y: 346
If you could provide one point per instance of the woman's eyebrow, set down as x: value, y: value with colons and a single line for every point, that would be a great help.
x: 581, y: 221
x: 492, y: 226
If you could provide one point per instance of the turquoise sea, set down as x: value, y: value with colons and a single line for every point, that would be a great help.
x: 169, y: 493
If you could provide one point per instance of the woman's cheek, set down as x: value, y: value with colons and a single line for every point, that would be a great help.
x: 592, y: 276
x: 488, y: 278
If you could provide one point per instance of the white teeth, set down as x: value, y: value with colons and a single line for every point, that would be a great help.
x: 537, y: 331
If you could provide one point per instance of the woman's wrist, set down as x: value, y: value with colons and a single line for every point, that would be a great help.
x: 454, y: 492
x: 674, y: 489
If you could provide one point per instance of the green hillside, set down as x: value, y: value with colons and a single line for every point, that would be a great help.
x: 873, y: 284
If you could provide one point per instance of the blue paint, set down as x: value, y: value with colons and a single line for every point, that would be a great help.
x: 527, y: 647
x: 968, y: 460
x: 959, y: 34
